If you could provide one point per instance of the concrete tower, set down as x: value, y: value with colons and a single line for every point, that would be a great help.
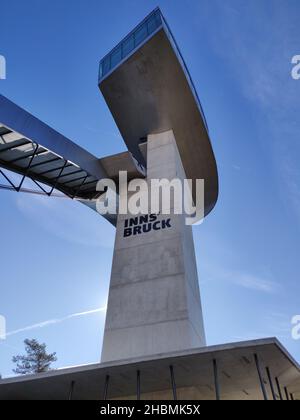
x: 154, y: 301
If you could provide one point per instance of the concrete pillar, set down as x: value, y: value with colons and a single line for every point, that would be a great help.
x: 154, y: 301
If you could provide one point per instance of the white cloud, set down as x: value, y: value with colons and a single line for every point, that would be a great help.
x: 257, y: 282
x: 252, y: 282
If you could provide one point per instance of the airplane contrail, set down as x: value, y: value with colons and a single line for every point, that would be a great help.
x: 55, y: 321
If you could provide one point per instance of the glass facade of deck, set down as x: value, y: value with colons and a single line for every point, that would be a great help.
x: 131, y: 42
x: 135, y: 39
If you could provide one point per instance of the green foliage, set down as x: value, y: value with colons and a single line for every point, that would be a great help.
x: 36, y: 359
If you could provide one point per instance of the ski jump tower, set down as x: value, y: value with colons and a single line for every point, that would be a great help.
x: 154, y: 342
x: 154, y: 301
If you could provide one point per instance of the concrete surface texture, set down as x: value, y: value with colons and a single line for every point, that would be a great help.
x: 154, y: 301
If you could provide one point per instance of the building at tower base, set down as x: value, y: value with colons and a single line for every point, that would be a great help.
x: 225, y: 372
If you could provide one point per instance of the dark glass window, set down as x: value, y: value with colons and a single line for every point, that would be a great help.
x: 152, y: 24
x: 128, y: 45
x: 140, y: 34
x: 100, y: 70
x: 106, y: 65
x: 158, y: 18
x: 116, y: 56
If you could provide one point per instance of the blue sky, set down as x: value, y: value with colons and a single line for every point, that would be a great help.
x: 56, y: 254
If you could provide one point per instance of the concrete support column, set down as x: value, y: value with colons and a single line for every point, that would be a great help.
x: 271, y: 383
x: 286, y: 393
x: 216, y: 379
x: 260, y: 376
x: 278, y: 388
x: 71, y: 390
x: 154, y: 301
